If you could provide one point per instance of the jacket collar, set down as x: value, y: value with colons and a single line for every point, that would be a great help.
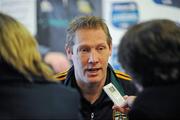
x: 71, y: 82
x: 111, y: 77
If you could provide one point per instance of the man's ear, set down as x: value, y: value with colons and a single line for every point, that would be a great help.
x: 68, y: 52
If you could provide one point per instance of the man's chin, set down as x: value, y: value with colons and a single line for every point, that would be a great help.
x: 94, y: 80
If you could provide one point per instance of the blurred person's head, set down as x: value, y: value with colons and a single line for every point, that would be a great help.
x: 19, y: 49
x: 57, y: 61
x: 89, y: 45
x: 150, y: 52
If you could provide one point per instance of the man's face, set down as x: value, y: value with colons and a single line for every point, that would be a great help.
x: 90, y: 55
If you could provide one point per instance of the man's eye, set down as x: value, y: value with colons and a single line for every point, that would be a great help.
x: 101, y: 48
x: 84, y: 50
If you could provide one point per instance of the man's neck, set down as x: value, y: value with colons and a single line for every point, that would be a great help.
x: 91, y: 92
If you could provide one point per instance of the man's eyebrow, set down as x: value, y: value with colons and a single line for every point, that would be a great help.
x: 80, y: 46
x: 101, y: 44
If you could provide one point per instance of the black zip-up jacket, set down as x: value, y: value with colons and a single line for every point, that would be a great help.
x: 102, y: 108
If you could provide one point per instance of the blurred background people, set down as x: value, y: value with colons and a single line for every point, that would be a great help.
x: 58, y: 61
x: 150, y: 53
x: 27, y: 88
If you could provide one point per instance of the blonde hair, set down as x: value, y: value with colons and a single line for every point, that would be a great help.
x: 86, y: 22
x: 19, y: 49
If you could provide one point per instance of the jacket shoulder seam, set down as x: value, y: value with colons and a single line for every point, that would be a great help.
x: 122, y: 75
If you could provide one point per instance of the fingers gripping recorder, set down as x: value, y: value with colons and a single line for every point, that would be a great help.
x: 114, y: 94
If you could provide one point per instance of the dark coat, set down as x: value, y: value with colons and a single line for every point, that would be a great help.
x: 157, y: 103
x: 39, y: 99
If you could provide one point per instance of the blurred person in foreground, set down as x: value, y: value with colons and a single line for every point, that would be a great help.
x: 27, y: 89
x: 89, y: 46
x: 150, y: 53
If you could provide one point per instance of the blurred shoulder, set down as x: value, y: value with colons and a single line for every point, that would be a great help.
x: 122, y: 75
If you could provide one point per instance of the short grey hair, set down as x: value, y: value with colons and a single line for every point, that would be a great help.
x: 86, y: 22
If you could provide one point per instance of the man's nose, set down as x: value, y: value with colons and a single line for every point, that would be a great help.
x: 93, y: 57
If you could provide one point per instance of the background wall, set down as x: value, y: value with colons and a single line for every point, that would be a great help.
x: 22, y: 10
x: 53, y: 17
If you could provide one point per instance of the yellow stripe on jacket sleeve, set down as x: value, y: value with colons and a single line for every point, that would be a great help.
x: 122, y: 75
x: 61, y: 76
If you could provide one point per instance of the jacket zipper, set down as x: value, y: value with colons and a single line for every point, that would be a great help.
x: 92, y: 116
